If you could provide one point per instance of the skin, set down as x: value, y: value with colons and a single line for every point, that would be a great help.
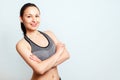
x: 42, y: 70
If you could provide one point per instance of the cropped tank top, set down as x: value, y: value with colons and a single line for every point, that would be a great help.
x: 42, y: 53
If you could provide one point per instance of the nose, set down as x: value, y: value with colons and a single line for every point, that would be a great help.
x: 34, y: 19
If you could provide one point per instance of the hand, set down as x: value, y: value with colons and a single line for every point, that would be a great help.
x: 35, y: 58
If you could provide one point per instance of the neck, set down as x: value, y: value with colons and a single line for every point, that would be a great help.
x: 32, y: 33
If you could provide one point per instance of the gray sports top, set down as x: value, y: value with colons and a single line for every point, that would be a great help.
x: 42, y: 52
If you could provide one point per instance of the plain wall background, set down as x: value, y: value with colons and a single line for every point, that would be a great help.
x: 89, y: 28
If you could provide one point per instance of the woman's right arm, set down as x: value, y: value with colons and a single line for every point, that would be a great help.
x: 42, y: 66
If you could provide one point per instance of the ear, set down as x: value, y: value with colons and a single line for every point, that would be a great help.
x: 21, y: 20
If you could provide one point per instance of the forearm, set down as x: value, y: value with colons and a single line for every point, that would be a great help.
x: 49, y: 63
x: 44, y: 66
x: 55, y: 59
x: 64, y: 56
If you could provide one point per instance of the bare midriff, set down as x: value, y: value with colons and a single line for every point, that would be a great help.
x: 52, y: 74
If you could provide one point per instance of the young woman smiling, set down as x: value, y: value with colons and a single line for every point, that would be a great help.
x: 42, y: 51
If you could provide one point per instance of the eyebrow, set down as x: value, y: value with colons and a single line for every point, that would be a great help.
x: 31, y: 14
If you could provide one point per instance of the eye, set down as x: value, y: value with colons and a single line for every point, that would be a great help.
x: 37, y: 16
x: 28, y: 16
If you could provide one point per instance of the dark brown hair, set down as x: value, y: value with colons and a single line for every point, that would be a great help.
x: 24, y: 7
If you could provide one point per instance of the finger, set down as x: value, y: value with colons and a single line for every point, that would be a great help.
x: 33, y: 57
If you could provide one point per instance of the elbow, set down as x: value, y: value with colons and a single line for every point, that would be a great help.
x: 68, y: 56
x: 39, y: 71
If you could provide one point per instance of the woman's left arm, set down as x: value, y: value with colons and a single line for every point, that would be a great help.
x: 64, y: 56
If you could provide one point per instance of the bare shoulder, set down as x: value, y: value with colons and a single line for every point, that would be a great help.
x: 19, y: 43
x: 52, y: 35
x: 22, y: 44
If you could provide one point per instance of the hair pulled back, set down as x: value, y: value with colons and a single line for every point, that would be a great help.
x: 24, y: 7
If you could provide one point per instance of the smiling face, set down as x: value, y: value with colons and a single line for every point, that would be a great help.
x: 31, y: 18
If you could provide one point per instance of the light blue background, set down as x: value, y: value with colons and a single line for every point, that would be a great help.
x: 89, y: 28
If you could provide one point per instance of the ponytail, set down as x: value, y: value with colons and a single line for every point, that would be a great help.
x: 23, y: 28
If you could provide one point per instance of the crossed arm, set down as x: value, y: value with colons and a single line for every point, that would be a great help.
x: 36, y: 64
x: 63, y: 57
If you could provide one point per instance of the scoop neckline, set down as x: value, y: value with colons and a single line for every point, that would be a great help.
x: 39, y: 45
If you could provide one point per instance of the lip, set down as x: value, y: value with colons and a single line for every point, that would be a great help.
x: 34, y: 24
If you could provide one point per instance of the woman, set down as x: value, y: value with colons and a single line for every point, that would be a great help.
x: 40, y: 50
